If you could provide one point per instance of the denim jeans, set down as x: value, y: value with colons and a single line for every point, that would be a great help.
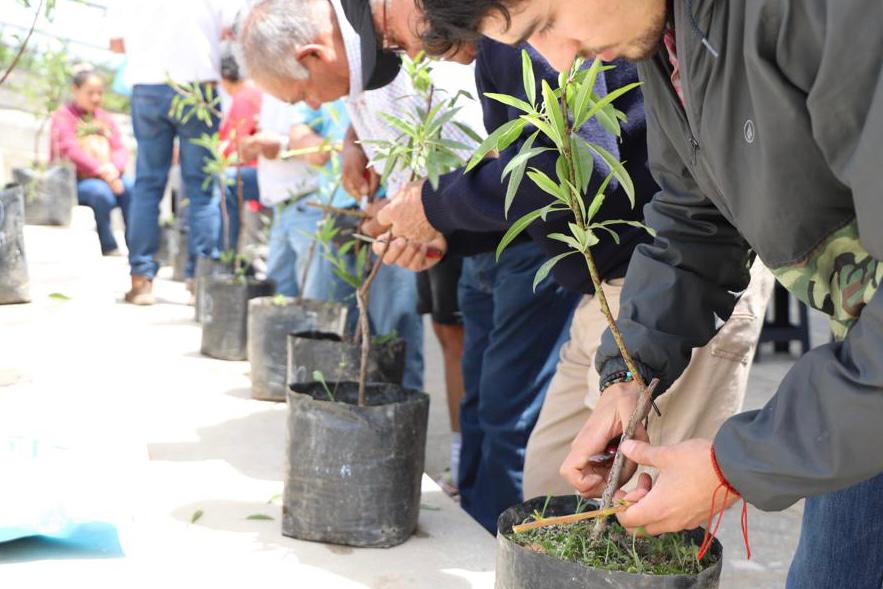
x: 840, y: 540
x: 512, y: 344
x: 393, y: 308
x: 96, y: 194
x: 290, y: 239
x: 155, y: 132
x: 250, y: 192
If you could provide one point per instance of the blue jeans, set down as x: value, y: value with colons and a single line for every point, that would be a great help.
x: 393, y: 308
x: 155, y: 132
x: 840, y: 541
x: 512, y: 343
x: 96, y: 194
x: 290, y: 239
x: 250, y: 191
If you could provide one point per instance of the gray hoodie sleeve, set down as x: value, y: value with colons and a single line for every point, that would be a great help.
x: 823, y: 430
x: 698, y: 261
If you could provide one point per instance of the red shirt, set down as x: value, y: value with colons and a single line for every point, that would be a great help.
x: 64, y: 144
x: 242, y: 118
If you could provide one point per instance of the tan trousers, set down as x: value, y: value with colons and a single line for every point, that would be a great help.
x: 710, y: 390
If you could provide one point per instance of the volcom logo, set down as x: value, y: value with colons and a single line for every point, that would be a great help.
x: 750, y: 132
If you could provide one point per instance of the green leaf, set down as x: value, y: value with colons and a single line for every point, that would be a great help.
x: 598, y: 200
x: 515, y: 169
x: 617, y: 169
x: 429, y: 507
x: 637, y: 224
x: 59, y: 296
x: 568, y: 239
x: 585, y: 91
x: 197, y: 515
x: 545, y: 127
x: 612, y: 233
x: 468, y: 131
x: 583, y: 163
x: 516, y: 229
x: 524, y: 155
x: 547, y: 267
x: 495, y: 141
x: 510, y: 101
x: 547, y: 184
x: 553, y: 109
x: 604, y: 102
x: 398, y: 124
x: 259, y: 517
x: 530, y: 81
x: 609, y: 121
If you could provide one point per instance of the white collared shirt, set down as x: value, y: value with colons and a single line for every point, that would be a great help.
x: 399, y: 97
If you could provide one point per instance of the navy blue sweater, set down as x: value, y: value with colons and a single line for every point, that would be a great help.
x: 469, y: 209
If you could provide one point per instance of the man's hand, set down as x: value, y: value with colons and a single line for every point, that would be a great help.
x: 608, y: 420
x: 406, y: 215
x: 370, y: 226
x: 682, y: 495
x: 410, y: 255
x: 358, y: 178
x: 263, y: 144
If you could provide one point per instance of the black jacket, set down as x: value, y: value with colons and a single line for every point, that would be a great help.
x: 779, y: 150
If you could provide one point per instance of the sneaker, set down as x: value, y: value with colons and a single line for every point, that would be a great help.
x: 114, y: 253
x: 141, y: 292
x: 446, y: 482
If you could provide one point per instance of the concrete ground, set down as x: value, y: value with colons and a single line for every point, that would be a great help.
x: 171, y: 433
x: 180, y: 434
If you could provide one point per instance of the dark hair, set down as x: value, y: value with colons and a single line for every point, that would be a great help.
x: 451, y: 23
x: 229, y: 66
x: 81, y: 74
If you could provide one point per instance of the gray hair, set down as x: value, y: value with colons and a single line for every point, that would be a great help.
x: 271, y: 31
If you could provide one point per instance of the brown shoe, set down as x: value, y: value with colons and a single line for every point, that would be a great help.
x: 141, y: 292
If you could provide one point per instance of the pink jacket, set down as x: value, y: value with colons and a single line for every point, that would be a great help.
x: 63, y: 142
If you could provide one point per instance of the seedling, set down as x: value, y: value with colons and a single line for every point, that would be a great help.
x: 320, y: 378
x: 558, y: 115
x: 421, y: 150
x: 45, y: 7
x: 201, y: 102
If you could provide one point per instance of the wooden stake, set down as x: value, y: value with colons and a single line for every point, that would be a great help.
x: 571, y: 519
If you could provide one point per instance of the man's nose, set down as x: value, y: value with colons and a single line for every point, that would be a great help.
x: 560, y: 55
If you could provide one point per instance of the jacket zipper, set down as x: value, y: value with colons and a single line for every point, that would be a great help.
x: 660, y: 63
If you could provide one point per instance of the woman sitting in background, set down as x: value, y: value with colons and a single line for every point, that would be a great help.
x: 85, y: 134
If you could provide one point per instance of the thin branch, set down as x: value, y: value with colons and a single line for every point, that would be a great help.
x: 571, y: 519
x: 24, y: 45
x: 646, y: 399
x: 362, y: 298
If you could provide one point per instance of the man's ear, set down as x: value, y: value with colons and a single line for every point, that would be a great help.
x: 313, y: 50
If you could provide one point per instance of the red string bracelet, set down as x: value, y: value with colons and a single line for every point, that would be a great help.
x: 710, y: 533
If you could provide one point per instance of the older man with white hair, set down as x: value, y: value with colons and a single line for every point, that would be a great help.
x: 319, y: 50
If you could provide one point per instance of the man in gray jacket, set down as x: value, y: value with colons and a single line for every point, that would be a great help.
x: 765, y: 125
